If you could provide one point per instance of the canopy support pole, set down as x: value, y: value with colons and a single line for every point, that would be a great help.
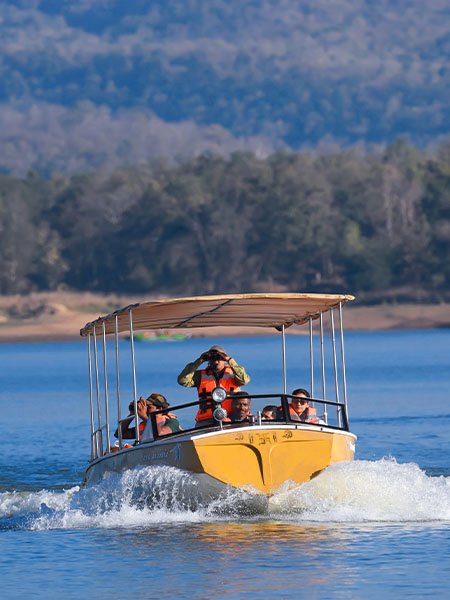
x: 97, y: 389
x: 94, y: 449
x: 105, y: 376
x: 116, y: 335
x: 311, y: 358
x: 283, y: 350
x: 344, y: 381
x: 322, y: 358
x: 133, y: 368
x: 336, y: 384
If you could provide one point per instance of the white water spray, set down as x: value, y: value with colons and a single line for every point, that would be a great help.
x: 367, y: 491
x: 358, y: 491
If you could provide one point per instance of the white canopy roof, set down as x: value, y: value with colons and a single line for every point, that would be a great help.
x: 236, y: 310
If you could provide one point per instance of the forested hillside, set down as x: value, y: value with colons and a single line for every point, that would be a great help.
x: 377, y: 226
x: 113, y: 82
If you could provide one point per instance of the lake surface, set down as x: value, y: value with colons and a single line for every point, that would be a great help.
x: 377, y: 527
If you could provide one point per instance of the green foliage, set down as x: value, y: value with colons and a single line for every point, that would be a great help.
x: 341, y: 222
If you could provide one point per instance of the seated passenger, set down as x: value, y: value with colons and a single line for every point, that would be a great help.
x: 269, y: 413
x: 299, y: 408
x: 240, y: 408
x: 166, y: 423
x: 129, y: 433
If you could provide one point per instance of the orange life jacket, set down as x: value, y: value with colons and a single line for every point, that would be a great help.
x: 160, y: 420
x: 310, y: 415
x: 207, y: 383
x: 116, y: 449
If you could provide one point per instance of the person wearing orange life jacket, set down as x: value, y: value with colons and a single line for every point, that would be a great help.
x: 218, y: 373
x: 166, y: 423
x: 299, y: 408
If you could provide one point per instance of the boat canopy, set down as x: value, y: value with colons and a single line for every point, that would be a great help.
x: 235, y: 310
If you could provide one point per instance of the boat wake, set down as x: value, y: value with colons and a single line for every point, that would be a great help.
x: 351, y: 492
x: 362, y: 491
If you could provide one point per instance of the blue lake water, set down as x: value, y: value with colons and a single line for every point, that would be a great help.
x: 376, y: 527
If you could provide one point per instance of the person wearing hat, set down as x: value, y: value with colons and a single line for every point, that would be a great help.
x: 222, y: 371
x: 166, y: 423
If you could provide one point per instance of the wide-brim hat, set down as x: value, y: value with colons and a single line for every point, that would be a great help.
x: 218, y: 350
x: 157, y: 400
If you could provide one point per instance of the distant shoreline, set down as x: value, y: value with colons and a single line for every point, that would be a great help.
x: 59, y: 316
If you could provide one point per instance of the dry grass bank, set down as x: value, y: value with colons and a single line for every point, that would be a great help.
x: 60, y: 315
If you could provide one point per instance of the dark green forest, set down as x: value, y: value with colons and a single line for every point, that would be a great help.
x: 374, y: 225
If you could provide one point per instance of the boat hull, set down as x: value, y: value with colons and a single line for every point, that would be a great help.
x: 260, y: 458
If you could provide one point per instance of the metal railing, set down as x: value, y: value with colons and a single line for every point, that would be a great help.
x: 283, y: 418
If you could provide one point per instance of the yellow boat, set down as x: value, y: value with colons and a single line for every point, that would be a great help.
x: 256, y: 455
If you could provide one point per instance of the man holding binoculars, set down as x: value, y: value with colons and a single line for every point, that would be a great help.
x: 222, y: 371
